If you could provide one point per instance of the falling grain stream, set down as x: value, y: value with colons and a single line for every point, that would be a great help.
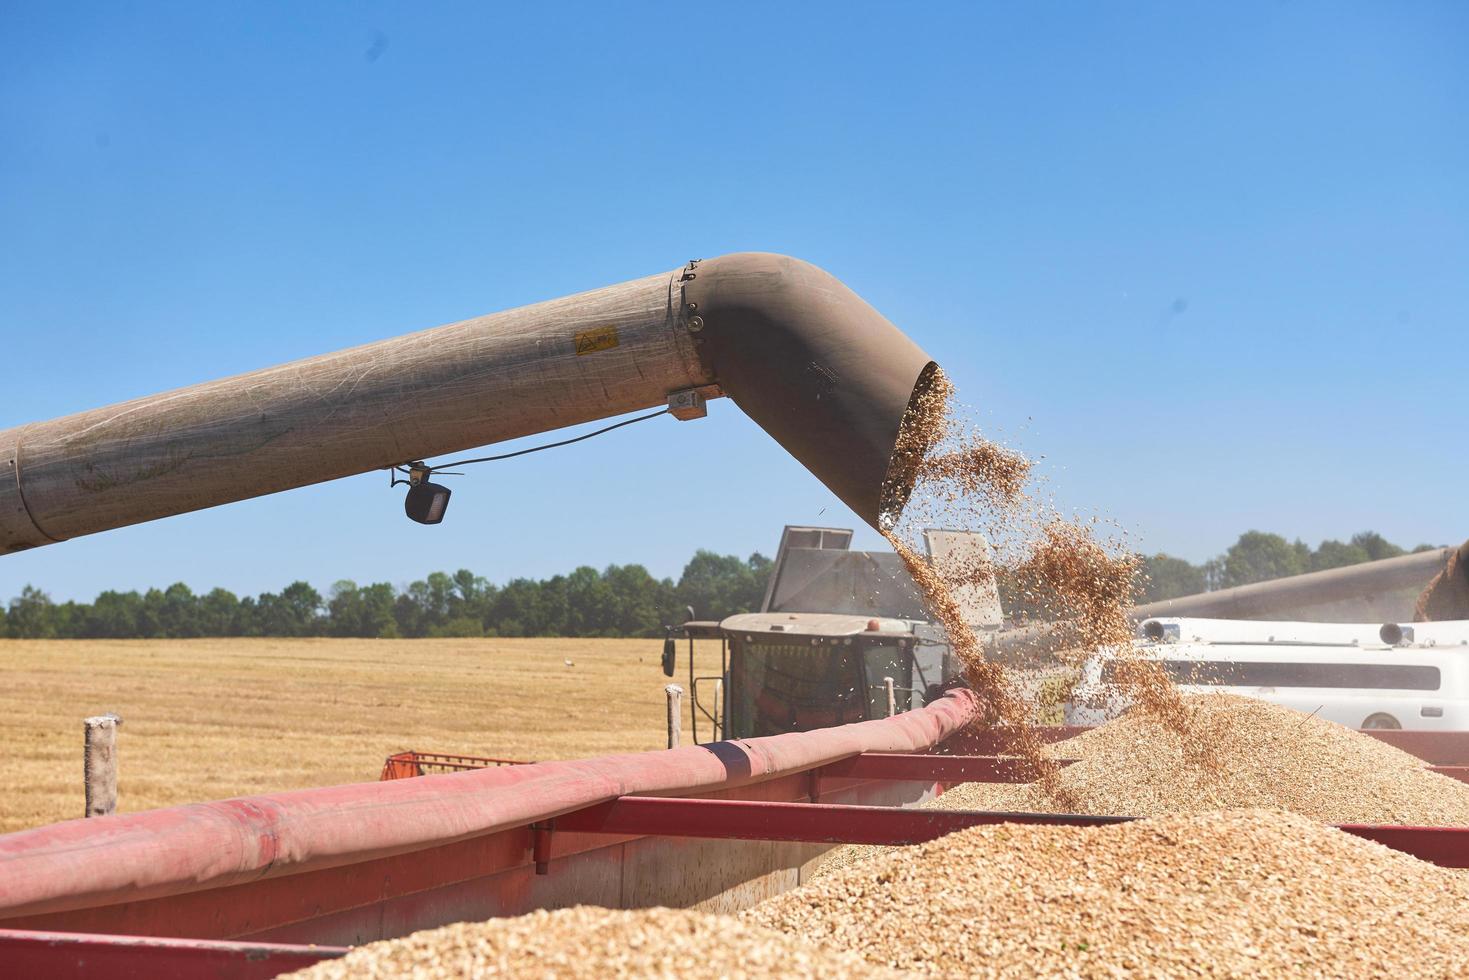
x: 1058, y: 565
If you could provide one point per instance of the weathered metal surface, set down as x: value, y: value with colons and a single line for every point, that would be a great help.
x: 847, y: 824
x: 406, y: 765
x: 87, y: 956
x: 829, y: 823
x: 1447, y: 847
x: 17, y: 531
x: 673, y: 697
x: 850, y: 583
x: 424, y: 394
x: 1446, y: 596
x: 99, y: 764
x: 1434, y: 748
x: 957, y: 558
x: 1376, y: 591
x: 210, y: 846
x: 954, y: 769
x: 493, y: 875
x: 805, y: 537
x: 933, y: 768
x: 813, y: 364
x: 999, y: 741
x: 1461, y: 773
x: 1382, y: 591
x: 824, y: 625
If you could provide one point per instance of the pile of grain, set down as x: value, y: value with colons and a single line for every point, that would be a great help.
x: 593, y: 943
x: 1268, y: 756
x: 1239, y: 892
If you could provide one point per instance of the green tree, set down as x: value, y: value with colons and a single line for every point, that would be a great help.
x: 219, y: 613
x: 425, y: 604
x: 343, y: 608
x: 114, y: 615
x: 178, y: 613
x: 295, y: 612
x: 1259, y: 557
x: 248, y: 623
x: 514, y: 608
x: 150, y: 615
x: 377, y: 611
x: 1169, y: 578
x: 1335, y: 554
x: 552, y: 609
x: 69, y: 619
x: 362, y: 612
x: 637, y: 599
x: 1376, y: 546
x: 590, y: 603
x: 717, y: 586
x: 31, y: 615
x: 472, y: 597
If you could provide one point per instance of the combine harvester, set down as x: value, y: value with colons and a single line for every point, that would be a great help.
x: 254, y: 886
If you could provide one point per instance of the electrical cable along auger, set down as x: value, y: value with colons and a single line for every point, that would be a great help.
x: 816, y: 367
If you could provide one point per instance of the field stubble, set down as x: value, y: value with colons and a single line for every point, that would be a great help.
x: 211, y: 719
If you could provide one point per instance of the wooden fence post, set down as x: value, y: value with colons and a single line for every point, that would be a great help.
x: 887, y: 682
x: 675, y: 719
x: 99, y: 764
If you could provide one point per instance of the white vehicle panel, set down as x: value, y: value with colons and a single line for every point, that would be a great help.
x: 1341, y: 672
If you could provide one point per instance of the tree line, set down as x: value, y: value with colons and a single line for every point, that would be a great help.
x: 1259, y: 556
x: 620, y: 600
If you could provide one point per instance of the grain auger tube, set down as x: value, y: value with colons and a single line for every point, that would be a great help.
x: 816, y: 367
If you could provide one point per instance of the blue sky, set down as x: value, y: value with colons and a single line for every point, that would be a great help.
x: 1212, y: 261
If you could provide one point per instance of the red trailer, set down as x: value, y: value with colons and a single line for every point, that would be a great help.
x: 255, y: 886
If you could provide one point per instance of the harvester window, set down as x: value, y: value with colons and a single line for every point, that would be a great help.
x: 789, y: 687
x: 887, y: 660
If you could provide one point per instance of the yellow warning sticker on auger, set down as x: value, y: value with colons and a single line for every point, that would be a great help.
x: 595, y: 339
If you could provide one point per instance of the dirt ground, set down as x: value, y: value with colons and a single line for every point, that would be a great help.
x: 209, y: 719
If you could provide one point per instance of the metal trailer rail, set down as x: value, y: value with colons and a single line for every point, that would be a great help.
x: 28, y: 953
x: 620, y: 849
x: 349, y: 864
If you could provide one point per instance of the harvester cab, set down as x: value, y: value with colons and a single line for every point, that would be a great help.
x: 841, y: 636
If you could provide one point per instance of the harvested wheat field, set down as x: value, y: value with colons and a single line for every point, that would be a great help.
x: 1267, y: 756
x: 593, y: 943
x: 1218, y: 894
x: 208, y: 719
